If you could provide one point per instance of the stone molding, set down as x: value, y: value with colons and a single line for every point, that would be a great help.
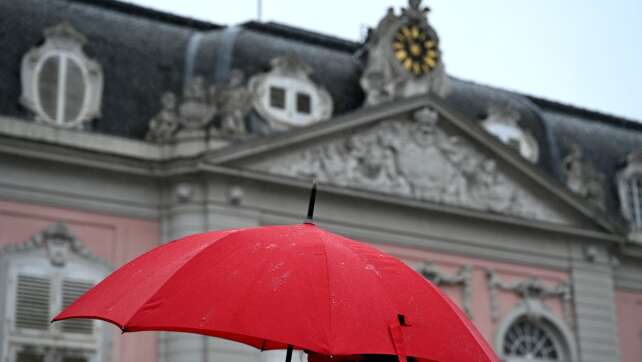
x: 58, y: 242
x: 462, y: 278
x: 532, y: 293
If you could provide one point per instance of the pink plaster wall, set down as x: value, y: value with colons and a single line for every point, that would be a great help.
x: 629, y: 319
x: 507, y: 273
x: 114, y: 239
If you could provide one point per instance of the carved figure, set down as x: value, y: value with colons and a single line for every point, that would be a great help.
x: 235, y: 102
x: 195, y: 109
x: 163, y: 125
x: 414, y: 158
x: 582, y: 177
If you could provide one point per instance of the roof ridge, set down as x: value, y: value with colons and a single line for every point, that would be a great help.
x: 150, y: 13
x: 586, y: 113
x: 310, y: 36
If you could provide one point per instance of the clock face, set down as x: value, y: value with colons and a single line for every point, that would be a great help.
x: 415, y: 49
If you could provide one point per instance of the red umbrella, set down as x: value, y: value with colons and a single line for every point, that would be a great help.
x: 278, y: 287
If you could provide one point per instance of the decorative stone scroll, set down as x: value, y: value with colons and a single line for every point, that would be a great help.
x: 461, y: 279
x: 532, y: 292
x: 414, y: 159
x: 58, y: 243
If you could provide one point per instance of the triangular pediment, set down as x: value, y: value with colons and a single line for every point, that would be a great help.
x: 417, y: 154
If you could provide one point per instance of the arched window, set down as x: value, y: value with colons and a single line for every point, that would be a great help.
x: 59, y: 83
x: 526, y: 340
x: 44, y: 275
x: 531, y: 333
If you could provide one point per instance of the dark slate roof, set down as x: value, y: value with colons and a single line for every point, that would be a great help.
x: 144, y: 53
x: 474, y: 101
x: 140, y: 56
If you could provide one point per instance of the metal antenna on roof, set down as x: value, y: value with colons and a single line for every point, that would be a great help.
x: 259, y: 9
x: 313, y: 196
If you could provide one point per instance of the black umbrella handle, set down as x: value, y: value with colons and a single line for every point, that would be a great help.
x: 288, y: 354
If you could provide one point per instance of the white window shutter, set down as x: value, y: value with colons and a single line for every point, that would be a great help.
x: 28, y: 356
x: 72, y: 290
x: 32, y: 302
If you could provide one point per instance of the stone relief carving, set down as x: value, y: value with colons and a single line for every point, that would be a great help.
x: 462, y: 279
x: 582, y: 177
x: 235, y: 102
x: 163, y: 125
x: 292, y: 74
x: 384, y: 78
x: 199, y: 107
x: 414, y: 159
x: 532, y: 292
x: 58, y: 243
x: 221, y: 112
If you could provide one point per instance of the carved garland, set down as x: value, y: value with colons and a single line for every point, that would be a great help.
x: 461, y: 278
x: 531, y: 291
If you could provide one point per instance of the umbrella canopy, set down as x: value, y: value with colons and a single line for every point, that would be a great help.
x: 277, y: 286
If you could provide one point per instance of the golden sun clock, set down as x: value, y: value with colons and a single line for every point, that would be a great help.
x: 415, y: 49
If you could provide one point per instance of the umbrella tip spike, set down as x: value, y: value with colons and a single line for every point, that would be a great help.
x: 313, y: 195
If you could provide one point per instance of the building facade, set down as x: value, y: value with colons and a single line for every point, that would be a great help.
x: 122, y: 128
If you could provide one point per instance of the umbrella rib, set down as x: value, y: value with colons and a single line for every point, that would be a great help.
x: 126, y: 323
x: 327, y: 278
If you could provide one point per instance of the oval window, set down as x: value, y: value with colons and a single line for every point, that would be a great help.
x: 62, y: 89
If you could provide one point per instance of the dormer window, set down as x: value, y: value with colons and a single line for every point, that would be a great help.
x: 503, y: 125
x: 287, y: 97
x: 59, y: 83
x: 629, y: 182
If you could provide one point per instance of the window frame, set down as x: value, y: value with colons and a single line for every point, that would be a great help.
x: 61, y: 87
x: 556, y: 327
x: 66, y: 43
x: 41, y: 258
x: 293, y: 75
